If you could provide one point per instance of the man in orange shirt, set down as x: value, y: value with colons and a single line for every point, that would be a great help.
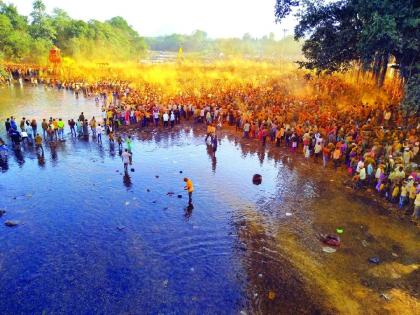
x: 190, y: 188
x: 336, y: 155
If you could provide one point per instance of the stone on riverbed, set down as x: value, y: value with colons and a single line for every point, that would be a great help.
x: 11, y: 223
x: 2, y: 212
x: 257, y: 179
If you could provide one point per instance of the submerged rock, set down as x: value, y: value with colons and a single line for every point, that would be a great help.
x: 179, y: 196
x: 257, y: 179
x: 11, y: 223
x: 2, y: 212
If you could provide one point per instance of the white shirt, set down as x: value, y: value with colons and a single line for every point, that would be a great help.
x: 378, y: 173
x: 125, y: 157
x: 360, y: 164
x: 363, y: 173
x: 98, y: 129
x: 165, y: 117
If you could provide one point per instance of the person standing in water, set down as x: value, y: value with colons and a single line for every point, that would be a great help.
x: 126, y: 157
x: 38, y: 143
x: 128, y: 142
x: 99, y: 133
x: 60, y: 125
x: 214, y: 144
x: 189, y: 187
x: 120, y: 141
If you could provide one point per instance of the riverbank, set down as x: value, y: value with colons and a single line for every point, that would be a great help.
x: 248, y: 248
x: 338, y: 177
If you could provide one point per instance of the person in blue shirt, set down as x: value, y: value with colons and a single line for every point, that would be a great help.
x: 13, y: 123
x: 370, y: 173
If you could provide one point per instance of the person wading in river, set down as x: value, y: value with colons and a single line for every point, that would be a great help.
x: 126, y: 157
x: 189, y: 187
x: 99, y: 133
x: 44, y: 126
x: 60, y: 125
x: 38, y: 143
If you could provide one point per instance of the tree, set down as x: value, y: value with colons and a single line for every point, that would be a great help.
x: 14, y: 40
x: 41, y: 26
x: 19, y: 22
x: 340, y: 33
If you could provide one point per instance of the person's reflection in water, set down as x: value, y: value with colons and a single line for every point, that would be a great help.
x: 4, y: 165
x: 19, y: 156
x: 101, y: 151
x: 213, y: 164
x: 127, y: 180
x: 41, y: 159
x: 188, y: 211
x: 112, y: 149
x: 261, y: 155
x: 212, y: 157
x: 53, y: 148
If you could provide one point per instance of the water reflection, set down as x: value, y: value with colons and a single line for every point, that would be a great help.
x: 131, y: 248
x: 188, y: 211
x: 127, y: 180
x: 41, y: 159
x: 19, y: 157
x: 4, y: 165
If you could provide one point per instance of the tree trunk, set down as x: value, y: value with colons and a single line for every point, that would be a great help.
x: 382, y: 70
x: 376, y: 68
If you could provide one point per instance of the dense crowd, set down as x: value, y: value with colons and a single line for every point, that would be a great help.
x: 375, y: 143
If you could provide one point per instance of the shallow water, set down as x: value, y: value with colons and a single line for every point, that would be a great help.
x: 93, y: 241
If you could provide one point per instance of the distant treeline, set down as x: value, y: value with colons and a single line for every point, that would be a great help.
x: 28, y: 39
x: 198, y: 41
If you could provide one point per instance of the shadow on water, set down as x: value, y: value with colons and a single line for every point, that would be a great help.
x: 188, y: 211
x: 127, y: 180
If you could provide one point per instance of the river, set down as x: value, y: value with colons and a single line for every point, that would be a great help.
x: 92, y: 240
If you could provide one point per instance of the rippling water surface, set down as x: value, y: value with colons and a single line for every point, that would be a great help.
x: 92, y: 240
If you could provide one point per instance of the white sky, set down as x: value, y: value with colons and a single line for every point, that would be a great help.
x: 219, y: 18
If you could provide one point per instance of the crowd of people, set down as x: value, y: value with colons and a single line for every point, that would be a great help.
x: 374, y: 143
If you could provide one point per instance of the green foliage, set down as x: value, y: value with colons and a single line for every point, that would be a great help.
x: 94, y: 40
x: 42, y: 25
x: 371, y: 33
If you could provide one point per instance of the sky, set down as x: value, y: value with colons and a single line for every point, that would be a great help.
x: 219, y: 18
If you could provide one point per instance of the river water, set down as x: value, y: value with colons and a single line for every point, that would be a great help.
x: 92, y: 240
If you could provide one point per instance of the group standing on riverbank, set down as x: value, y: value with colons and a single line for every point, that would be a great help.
x: 377, y: 145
